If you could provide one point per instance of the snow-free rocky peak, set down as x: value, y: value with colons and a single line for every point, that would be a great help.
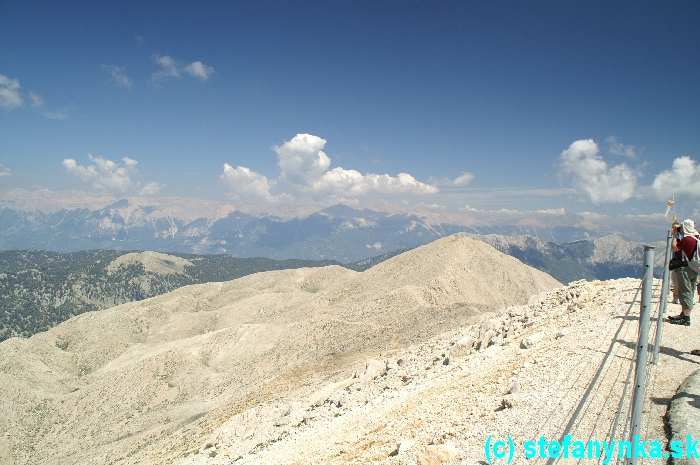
x: 153, y: 262
x: 144, y: 381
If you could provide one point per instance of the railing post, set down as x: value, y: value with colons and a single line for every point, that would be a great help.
x: 663, y: 300
x: 642, y: 350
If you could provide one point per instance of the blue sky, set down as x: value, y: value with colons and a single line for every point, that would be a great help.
x: 495, y: 89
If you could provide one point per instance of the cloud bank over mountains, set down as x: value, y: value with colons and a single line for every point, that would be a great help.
x: 306, y: 176
x: 305, y: 171
x: 103, y: 174
x: 306, y: 181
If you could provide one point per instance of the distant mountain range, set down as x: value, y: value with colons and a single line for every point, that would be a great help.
x: 337, y: 233
x: 59, y: 278
x: 607, y: 257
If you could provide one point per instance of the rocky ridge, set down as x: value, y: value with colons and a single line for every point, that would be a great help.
x: 143, y: 382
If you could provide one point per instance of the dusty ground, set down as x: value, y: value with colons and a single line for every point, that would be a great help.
x: 425, y: 411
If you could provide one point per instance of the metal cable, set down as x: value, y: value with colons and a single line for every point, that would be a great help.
x: 594, y: 381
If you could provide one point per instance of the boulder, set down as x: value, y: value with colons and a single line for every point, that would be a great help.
x: 684, y: 414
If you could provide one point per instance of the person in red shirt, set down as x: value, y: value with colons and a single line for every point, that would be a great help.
x: 686, y: 277
x: 678, y: 234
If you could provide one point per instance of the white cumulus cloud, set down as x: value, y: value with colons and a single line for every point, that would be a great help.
x: 4, y: 170
x: 246, y: 183
x: 682, y: 178
x: 592, y: 175
x: 305, y: 173
x: 304, y: 163
x: 351, y: 182
x: 10, y: 93
x: 302, y: 159
x: 107, y: 175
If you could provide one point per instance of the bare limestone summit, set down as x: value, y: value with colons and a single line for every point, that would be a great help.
x: 151, y: 381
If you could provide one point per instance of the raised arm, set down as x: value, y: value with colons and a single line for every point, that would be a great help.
x: 675, y: 243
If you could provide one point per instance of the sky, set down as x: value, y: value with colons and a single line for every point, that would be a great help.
x: 450, y: 108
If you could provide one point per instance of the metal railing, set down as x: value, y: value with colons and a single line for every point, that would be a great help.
x: 630, y: 417
x: 642, y: 350
x: 663, y: 298
x: 643, y: 364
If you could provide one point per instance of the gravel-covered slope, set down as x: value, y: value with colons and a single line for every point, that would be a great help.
x: 560, y: 365
x: 142, y: 382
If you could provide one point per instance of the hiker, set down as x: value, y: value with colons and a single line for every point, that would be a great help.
x: 686, y: 277
x: 677, y: 256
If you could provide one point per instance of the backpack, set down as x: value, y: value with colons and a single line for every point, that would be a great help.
x: 694, y: 261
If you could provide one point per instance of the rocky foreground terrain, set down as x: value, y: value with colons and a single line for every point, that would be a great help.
x: 560, y: 365
x: 414, y: 361
x: 119, y: 385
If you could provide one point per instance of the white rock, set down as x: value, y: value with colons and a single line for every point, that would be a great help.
x: 373, y: 370
x: 485, y: 340
x: 514, y: 386
x: 533, y: 339
x: 463, y: 346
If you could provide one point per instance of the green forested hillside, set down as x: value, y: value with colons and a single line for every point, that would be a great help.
x: 40, y: 289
